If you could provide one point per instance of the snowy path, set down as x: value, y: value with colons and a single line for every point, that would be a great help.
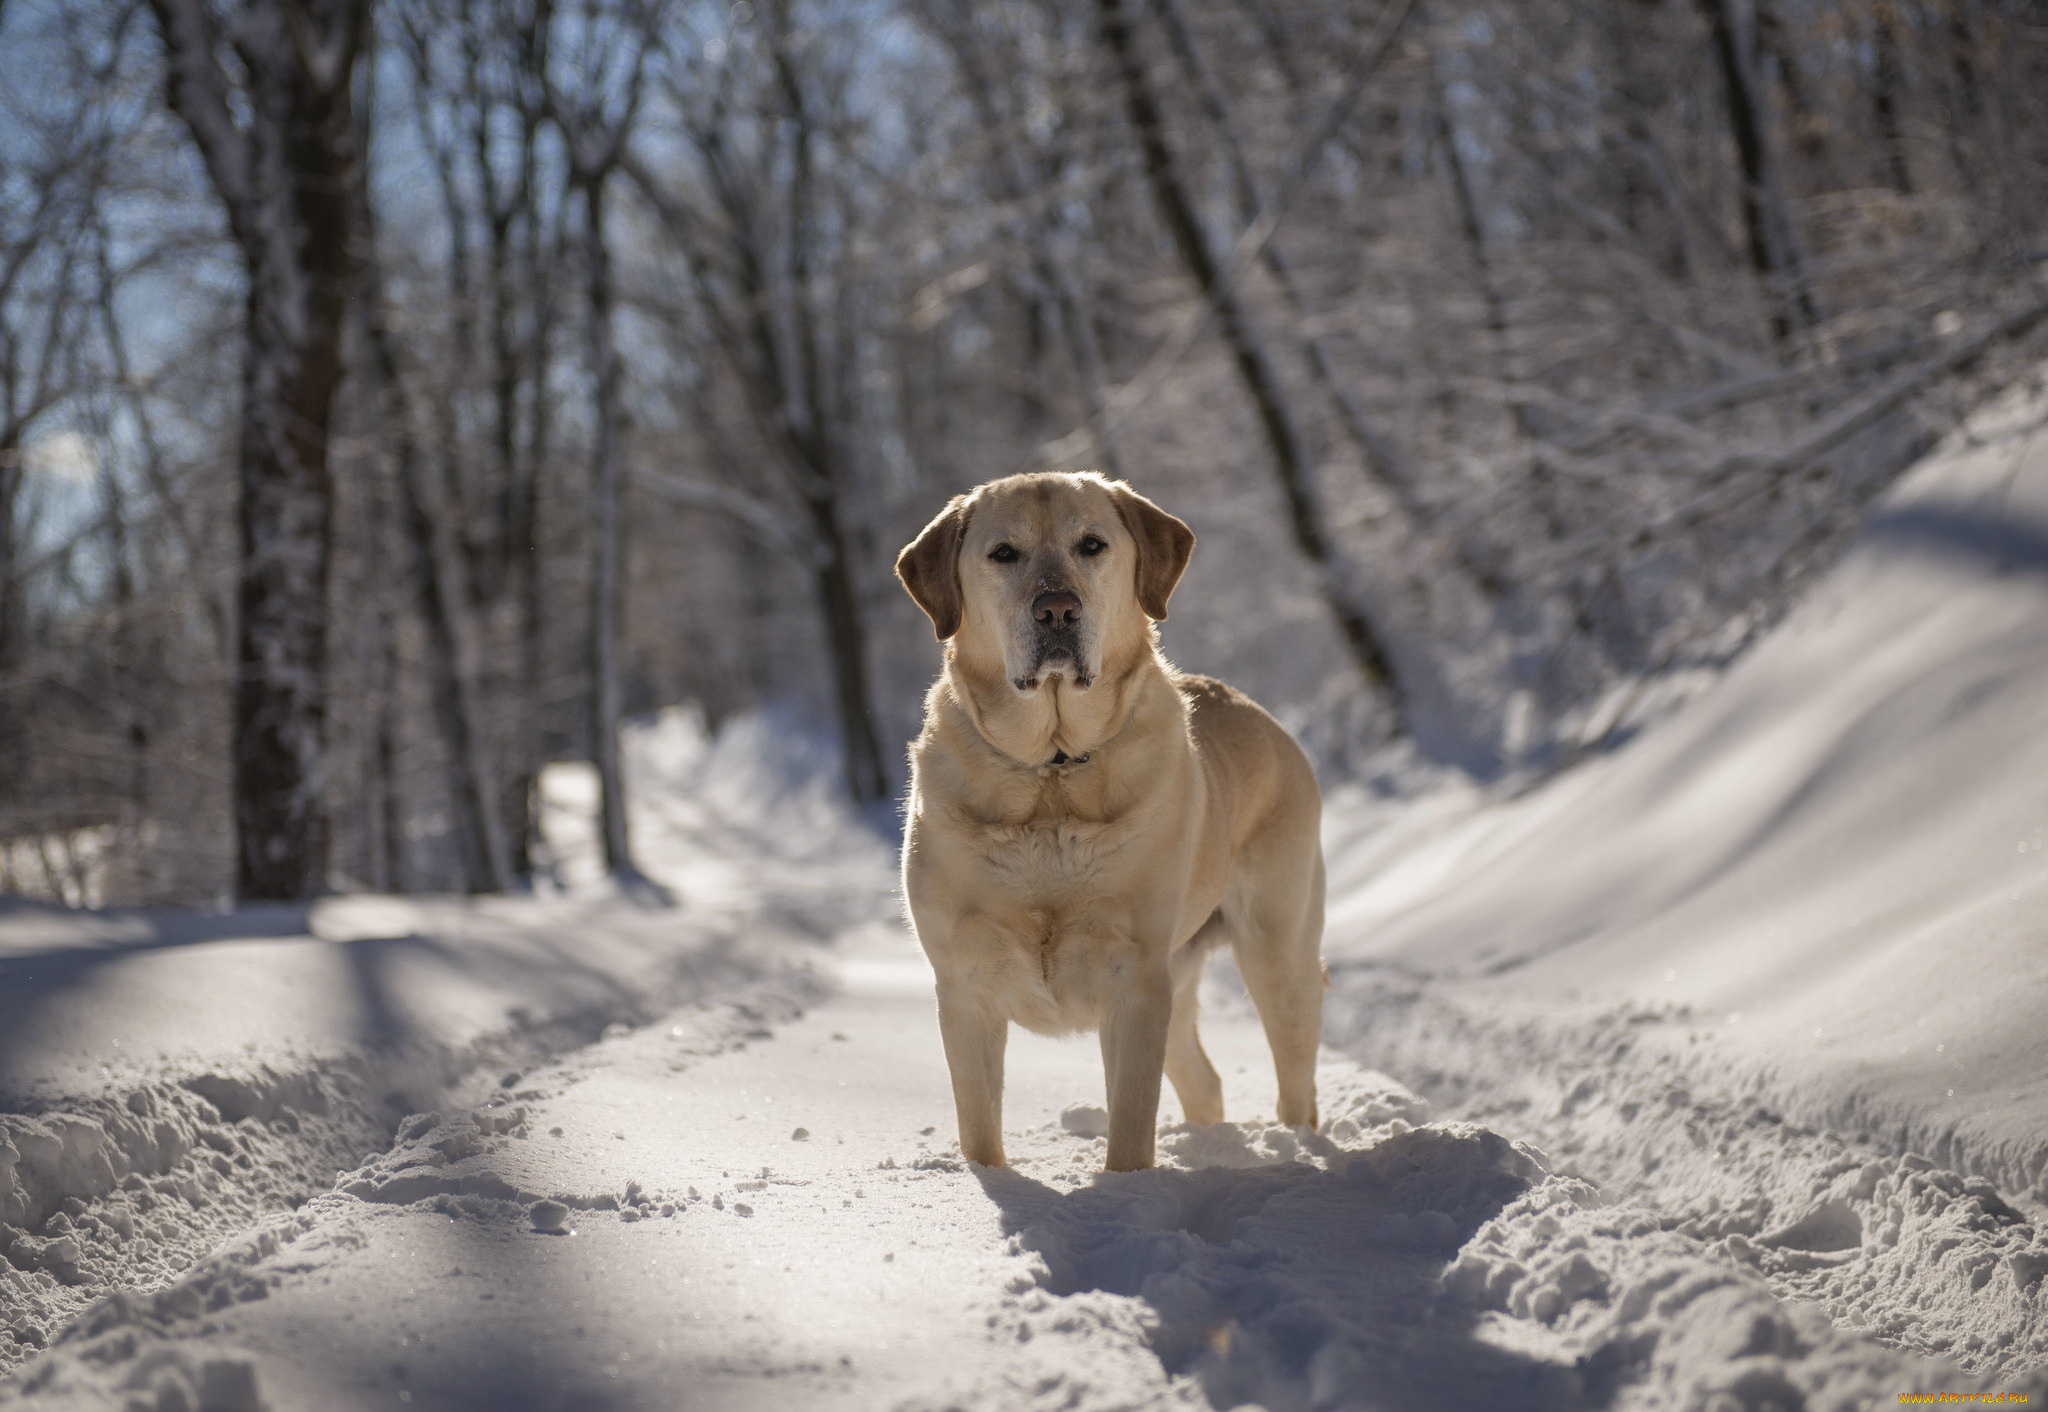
x: 824, y: 1272
x: 711, y: 1249
x: 714, y: 1259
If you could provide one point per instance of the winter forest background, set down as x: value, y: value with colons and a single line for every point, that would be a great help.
x: 395, y: 395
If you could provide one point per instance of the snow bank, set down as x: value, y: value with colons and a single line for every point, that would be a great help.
x: 126, y: 1193
x: 1778, y: 965
x: 243, y: 1074
x: 169, y: 1079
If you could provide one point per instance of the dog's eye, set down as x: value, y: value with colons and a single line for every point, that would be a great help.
x: 1091, y: 546
x: 1003, y: 554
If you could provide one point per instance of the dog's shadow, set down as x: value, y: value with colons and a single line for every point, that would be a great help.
x: 1286, y: 1284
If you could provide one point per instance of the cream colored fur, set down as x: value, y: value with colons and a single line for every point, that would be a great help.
x: 1086, y: 894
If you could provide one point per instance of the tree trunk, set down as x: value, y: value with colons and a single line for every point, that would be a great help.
x: 13, y: 716
x: 808, y: 382
x: 281, y: 644
x: 607, y: 580
x: 1767, y: 224
x: 1292, y: 462
x: 378, y: 670
x: 1887, y: 82
x: 10, y: 596
x: 387, y: 854
x: 517, y: 570
x: 528, y: 754
x: 427, y: 515
x: 279, y: 147
x: 867, y: 772
x: 444, y: 608
x: 525, y: 359
x: 451, y: 671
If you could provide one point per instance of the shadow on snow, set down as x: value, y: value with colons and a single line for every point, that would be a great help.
x: 1294, y: 1286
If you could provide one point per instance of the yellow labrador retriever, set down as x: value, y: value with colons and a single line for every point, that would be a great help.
x: 1087, y: 823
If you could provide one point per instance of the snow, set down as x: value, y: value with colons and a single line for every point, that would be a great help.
x: 1702, y: 1076
x: 171, y: 1078
x: 1828, y: 858
x: 1811, y: 900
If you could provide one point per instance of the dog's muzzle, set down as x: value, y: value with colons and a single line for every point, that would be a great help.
x: 1055, y: 640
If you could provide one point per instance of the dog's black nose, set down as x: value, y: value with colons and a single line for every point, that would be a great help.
x: 1056, y: 607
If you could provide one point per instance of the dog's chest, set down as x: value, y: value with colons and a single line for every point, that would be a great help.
x: 1040, y: 857
x: 1043, y: 936
x: 1051, y: 966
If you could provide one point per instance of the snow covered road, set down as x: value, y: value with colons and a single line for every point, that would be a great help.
x: 755, y: 1202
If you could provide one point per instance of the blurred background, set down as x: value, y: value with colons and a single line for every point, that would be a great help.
x: 396, y: 395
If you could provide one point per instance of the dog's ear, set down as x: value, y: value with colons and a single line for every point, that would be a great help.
x: 1164, y: 544
x: 930, y: 567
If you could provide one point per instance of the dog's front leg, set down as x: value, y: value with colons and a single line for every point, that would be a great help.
x: 975, y: 1039
x: 1133, y: 1056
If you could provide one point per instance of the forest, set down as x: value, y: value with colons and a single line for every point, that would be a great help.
x: 398, y: 395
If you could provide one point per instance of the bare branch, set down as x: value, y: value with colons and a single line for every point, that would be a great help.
x: 198, y: 90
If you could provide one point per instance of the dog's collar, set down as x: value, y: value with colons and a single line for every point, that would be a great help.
x: 1060, y: 757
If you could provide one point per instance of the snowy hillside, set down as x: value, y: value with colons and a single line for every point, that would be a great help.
x: 1802, y: 924
x: 1708, y: 1075
x: 1839, y: 859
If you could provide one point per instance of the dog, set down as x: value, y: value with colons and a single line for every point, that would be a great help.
x: 1087, y: 824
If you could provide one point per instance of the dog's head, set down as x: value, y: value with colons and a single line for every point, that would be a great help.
x: 1047, y: 574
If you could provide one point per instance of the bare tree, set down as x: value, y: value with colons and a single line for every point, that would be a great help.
x: 279, y: 146
x: 479, y: 70
x: 1293, y: 461
x: 1377, y: 451
x: 1025, y: 172
x: 770, y: 262
x: 36, y: 332
x: 1623, y: 311
x: 596, y: 114
x: 431, y: 529
x: 45, y: 208
x: 1887, y: 92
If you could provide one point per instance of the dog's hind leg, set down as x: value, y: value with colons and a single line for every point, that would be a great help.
x: 1278, y: 947
x: 1194, y: 1077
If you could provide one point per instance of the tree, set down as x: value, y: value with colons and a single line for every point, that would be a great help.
x: 1557, y: 338
x: 479, y: 71
x: 595, y: 115
x: 275, y: 133
x: 431, y: 529
x: 1773, y: 244
x: 1293, y: 462
x: 780, y: 293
